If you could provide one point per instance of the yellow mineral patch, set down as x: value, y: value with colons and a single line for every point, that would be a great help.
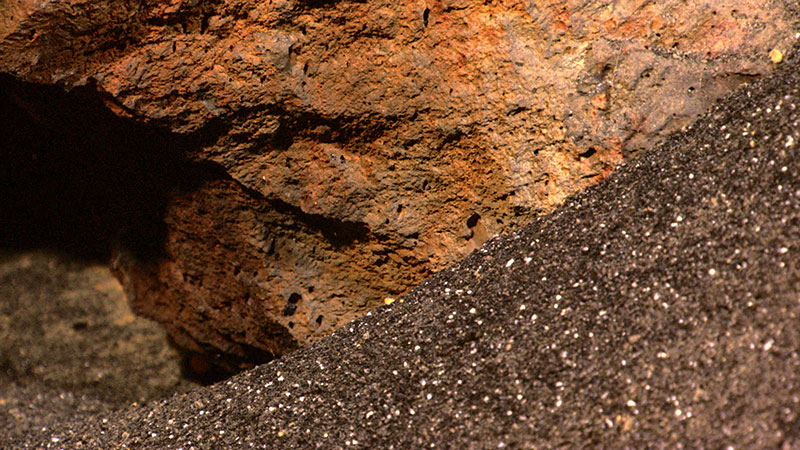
x: 776, y: 55
x: 388, y: 301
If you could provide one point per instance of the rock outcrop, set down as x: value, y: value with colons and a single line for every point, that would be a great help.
x: 658, y: 309
x: 354, y: 148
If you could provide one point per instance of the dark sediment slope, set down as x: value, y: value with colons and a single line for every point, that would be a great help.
x: 658, y: 308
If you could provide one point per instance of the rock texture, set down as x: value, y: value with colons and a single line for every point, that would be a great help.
x: 363, y: 146
x: 658, y: 309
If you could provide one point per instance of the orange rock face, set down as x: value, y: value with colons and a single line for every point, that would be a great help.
x: 366, y: 145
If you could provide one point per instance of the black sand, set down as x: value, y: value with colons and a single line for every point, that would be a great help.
x: 659, y: 308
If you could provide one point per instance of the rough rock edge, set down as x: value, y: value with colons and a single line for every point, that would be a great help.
x: 705, y: 224
x: 285, y: 98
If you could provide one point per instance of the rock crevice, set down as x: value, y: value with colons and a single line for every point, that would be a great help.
x: 362, y: 146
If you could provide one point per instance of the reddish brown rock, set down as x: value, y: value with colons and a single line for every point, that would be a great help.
x: 366, y: 145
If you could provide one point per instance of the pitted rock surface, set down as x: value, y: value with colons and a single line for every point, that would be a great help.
x: 361, y: 146
x: 658, y: 308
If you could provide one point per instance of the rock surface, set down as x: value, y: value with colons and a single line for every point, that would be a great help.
x: 656, y: 309
x: 363, y: 146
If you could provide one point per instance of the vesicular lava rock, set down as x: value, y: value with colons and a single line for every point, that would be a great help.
x: 366, y: 145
